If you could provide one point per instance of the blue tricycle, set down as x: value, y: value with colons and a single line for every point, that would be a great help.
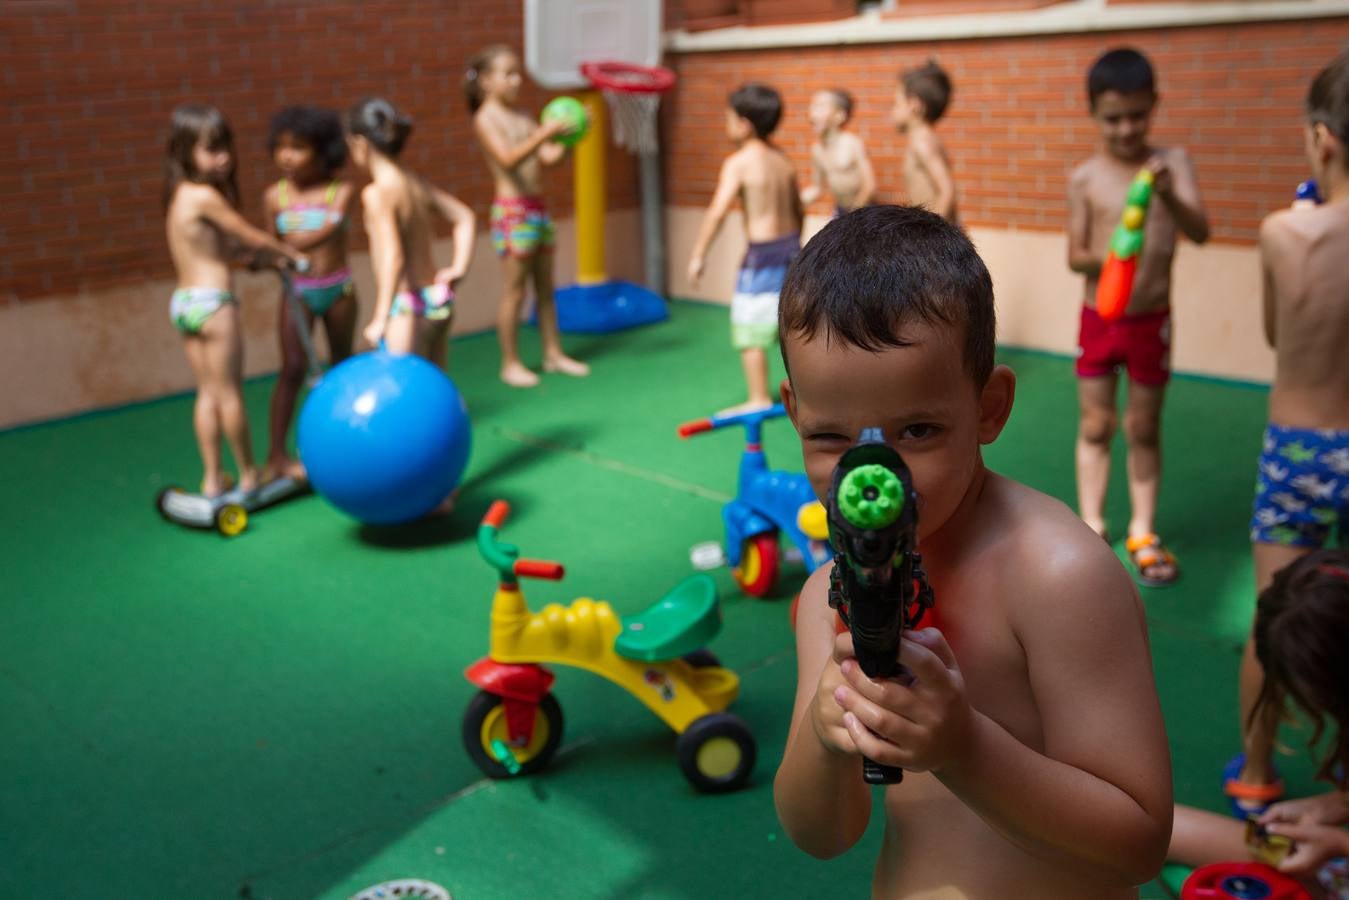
x: 767, y: 503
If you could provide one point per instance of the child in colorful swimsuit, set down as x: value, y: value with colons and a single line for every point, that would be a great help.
x: 414, y: 299
x: 1122, y: 95
x: 1303, y: 479
x: 1301, y: 630
x: 764, y: 180
x: 308, y: 209
x: 517, y: 149
x: 205, y: 234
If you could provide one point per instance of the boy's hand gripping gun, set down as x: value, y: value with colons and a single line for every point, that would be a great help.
x: 1116, y: 281
x: 877, y: 584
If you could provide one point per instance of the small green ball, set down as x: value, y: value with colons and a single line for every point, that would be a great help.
x: 571, y: 111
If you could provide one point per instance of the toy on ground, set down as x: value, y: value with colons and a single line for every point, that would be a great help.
x: 228, y: 512
x: 656, y: 655
x: 877, y: 584
x: 1241, y: 881
x: 384, y: 437
x: 1116, y: 281
x: 1248, y: 800
x: 767, y: 503
x: 573, y: 113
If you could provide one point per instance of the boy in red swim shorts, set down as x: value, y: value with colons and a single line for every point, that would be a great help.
x: 1122, y: 93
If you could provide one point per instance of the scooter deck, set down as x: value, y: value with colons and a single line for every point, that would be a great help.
x: 197, y: 511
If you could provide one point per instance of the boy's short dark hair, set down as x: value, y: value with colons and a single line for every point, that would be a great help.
x: 320, y: 128
x: 1328, y: 98
x: 931, y: 85
x: 759, y: 105
x: 1123, y: 70
x: 867, y: 274
x: 843, y: 100
x: 1301, y: 625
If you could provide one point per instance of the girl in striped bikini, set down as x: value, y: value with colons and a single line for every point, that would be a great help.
x: 308, y: 209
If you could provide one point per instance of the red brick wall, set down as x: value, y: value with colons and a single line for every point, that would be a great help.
x: 88, y: 87
x: 1232, y: 95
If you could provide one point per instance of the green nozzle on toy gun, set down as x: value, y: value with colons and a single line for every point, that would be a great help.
x: 877, y: 585
x: 1116, y: 282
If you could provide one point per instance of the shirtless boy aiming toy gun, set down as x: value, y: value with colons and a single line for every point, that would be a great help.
x: 877, y: 575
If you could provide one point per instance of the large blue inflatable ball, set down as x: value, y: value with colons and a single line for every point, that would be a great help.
x: 384, y: 437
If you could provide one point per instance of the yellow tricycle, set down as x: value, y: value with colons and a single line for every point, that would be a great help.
x: 513, y: 726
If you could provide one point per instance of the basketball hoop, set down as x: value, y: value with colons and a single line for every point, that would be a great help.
x: 633, y: 94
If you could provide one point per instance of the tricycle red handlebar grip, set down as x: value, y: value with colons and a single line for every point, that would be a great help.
x: 688, y: 429
x: 497, y: 513
x: 538, y: 568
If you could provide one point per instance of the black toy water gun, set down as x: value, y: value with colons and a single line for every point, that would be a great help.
x: 877, y: 584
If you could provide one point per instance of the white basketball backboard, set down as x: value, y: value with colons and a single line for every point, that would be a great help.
x: 562, y: 34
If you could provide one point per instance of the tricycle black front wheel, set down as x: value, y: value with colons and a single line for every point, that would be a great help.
x: 485, y: 723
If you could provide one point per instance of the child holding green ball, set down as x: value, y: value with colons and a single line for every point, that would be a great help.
x: 517, y: 149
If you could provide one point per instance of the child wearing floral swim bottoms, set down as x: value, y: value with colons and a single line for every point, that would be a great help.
x: 414, y: 298
x: 201, y: 199
x: 517, y: 149
x: 521, y: 227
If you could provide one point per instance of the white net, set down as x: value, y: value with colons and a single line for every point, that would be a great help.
x: 634, y: 120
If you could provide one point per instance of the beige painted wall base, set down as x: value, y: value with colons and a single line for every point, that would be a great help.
x: 65, y: 355
x: 1216, y: 297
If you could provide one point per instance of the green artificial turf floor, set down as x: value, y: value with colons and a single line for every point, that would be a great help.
x: 278, y: 715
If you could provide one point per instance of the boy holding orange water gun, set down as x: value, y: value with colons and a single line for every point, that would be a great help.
x: 1126, y: 206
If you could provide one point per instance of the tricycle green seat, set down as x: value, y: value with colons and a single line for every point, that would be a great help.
x: 684, y: 620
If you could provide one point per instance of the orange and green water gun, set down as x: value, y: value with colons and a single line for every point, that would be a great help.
x: 1126, y: 244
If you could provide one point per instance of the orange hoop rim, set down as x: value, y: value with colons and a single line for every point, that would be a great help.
x: 619, y: 77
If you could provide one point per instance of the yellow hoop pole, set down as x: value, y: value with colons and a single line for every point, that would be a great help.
x: 589, y: 184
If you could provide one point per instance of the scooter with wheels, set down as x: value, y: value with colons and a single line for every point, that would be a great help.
x: 513, y: 726
x: 228, y: 512
x: 768, y: 503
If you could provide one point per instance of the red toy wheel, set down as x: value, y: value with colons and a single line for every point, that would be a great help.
x: 758, y: 569
x: 1241, y: 881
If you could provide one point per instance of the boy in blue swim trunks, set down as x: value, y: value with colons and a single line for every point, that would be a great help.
x: 1302, y: 491
x: 764, y: 181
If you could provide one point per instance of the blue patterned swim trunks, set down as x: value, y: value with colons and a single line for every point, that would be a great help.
x: 1302, y: 489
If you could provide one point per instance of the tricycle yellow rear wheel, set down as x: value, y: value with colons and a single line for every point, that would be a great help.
x: 717, y: 753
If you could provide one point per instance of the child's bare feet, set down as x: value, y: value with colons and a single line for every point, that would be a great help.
x: 747, y: 406
x: 248, y: 479
x: 516, y: 375
x: 565, y: 365
x: 284, y: 467
x: 215, y: 484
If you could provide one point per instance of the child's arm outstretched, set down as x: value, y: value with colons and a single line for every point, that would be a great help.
x: 386, y: 257
x: 1094, y: 793
x: 728, y: 186
x: 461, y: 219
x: 821, y: 800
x: 1080, y: 257
x: 510, y: 157
x: 1174, y: 184
x: 213, y: 208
